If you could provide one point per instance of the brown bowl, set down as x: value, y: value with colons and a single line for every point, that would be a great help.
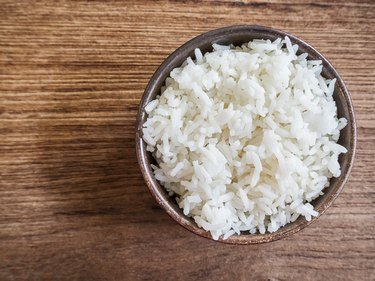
x: 237, y: 35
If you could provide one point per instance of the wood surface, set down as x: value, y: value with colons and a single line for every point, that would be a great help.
x: 73, y: 204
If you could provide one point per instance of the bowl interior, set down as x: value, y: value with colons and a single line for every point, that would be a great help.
x: 237, y: 35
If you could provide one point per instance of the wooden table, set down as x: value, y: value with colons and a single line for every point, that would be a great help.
x: 73, y: 205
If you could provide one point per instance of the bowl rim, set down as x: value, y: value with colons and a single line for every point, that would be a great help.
x: 157, y: 190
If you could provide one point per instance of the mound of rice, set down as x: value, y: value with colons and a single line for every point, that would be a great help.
x: 245, y: 137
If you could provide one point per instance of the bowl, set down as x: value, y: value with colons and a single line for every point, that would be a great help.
x: 237, y: 35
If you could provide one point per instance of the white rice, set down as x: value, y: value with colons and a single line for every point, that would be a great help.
x: 245, y: 137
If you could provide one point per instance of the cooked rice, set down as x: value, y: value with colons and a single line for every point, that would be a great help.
x: 245, y: 137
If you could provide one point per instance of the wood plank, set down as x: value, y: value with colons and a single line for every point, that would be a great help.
x: 73, y: 205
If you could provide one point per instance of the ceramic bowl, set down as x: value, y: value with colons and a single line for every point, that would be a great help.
x: 237, y: 35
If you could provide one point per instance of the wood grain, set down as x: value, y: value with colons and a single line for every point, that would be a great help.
x: 73, y: 205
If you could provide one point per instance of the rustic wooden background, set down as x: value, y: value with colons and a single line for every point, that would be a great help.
x: 73, y: 205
